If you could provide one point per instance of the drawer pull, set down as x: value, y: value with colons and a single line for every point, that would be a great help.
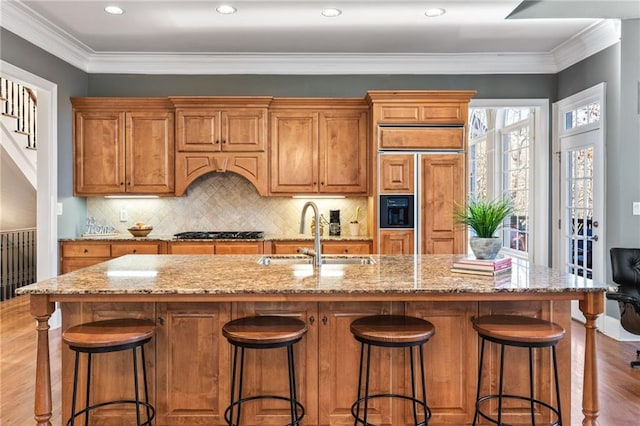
x: 135, y: 251
x: 86, y: 251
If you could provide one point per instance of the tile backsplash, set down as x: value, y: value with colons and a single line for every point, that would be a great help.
x: 220, y: 202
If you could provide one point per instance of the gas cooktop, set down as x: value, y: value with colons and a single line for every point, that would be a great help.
x: 219, y: 235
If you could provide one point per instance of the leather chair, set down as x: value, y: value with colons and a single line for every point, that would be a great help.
x: 625, y: 268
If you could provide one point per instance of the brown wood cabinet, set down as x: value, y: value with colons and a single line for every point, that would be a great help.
x: 123, y: 146
x: 397, y: 241
x: 216, y: 247
x: 416, y: 138
x: 319, y: 148
x: 193, y: 363
x: 443, y: 184
x: 396, y: 174
x: 79, y: 254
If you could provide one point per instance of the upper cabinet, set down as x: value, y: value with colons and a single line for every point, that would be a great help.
x: 221, y: 134
x: 319, y: 146
x: 123, y: 146
x: 221, y: 124
x: 420, y: 106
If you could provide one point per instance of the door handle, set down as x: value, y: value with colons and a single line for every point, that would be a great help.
x: 594, y: 238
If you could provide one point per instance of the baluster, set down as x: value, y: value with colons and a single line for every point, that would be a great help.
x: 33, y: 125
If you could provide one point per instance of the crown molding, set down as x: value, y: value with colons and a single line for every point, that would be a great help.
x: 592, y: 40
x: 26, y: 23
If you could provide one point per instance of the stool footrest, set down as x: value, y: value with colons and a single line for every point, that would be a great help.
x: 355, y: 413
x: 519, y: 397
x: 299, y: 407
x: 142, y: 404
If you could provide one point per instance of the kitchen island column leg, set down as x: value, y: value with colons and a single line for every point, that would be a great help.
x: 41, y: 308
x: 591, y: 306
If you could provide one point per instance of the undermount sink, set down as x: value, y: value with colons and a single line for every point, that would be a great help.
x: 306, y: 260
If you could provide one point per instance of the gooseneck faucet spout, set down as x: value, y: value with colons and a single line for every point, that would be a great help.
x: 317, y: 260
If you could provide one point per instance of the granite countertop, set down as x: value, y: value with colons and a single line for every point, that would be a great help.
x: 270, y: 237
x: 242, y: 275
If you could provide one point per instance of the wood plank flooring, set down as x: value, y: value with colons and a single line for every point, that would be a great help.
x: 619, y: 383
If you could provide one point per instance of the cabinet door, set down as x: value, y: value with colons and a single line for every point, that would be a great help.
x: 294, y: 152
x: 77, y: 255
x: 451, y: 138
x: 99, y: 152
x: 266, y: 369
x: 346, y: 247
x: 243, y: 130
x: 111, y: 373
x: 150, y: 152
x: 339, y: 353
x: 443, y: 184
x: 247, y: 247
x: 396, y: 174
x: 396, y: 242
x: 343, y: 152
x: 451, y: 363
x: 198, y: 130
x: 193, y: 363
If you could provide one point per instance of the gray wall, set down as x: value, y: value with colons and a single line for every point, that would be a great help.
x: 71, y: 82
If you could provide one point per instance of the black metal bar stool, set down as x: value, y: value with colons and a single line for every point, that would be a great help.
x: 519, y: 331
x: 110, y: 336
x: 392, y: 331
x: 263, y: 332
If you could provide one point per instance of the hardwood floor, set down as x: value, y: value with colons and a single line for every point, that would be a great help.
x: 619, y: 383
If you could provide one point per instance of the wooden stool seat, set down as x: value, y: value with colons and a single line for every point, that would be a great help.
x: 101, y: 337
x: 523, y: 332
x: 392, y: 330
x: 109, y: 333
x: 263, y: 332
x: 518, y: 329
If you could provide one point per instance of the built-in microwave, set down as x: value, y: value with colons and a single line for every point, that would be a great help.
x: 396, y: 211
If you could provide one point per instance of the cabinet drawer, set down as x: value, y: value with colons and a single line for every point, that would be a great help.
x: 70, y: 265
x: 421, y: 138
x: 122, y: 249
x: 86, y: 250
x: 346, y: 248
x: 289, y: 247
x: 436, y: 113
x: 191, y: 248
x: 254, y: 247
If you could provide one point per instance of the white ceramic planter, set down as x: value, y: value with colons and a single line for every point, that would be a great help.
x: 485, y: 248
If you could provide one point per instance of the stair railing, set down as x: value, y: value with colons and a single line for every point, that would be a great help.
x: 20, y: 102
x: 18, y: 260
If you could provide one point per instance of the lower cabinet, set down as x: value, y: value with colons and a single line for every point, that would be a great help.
x: 189, y: 363
x: 79, y: 254
x: 396, y: 241
x: 218, y: 247
x: 328, y: 247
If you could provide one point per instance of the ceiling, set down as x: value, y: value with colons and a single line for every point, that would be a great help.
x: 292, y: 36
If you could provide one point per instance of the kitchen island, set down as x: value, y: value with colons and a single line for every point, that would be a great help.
x: 190, y: 297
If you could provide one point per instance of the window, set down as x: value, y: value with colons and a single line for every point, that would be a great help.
x: 500, y: 153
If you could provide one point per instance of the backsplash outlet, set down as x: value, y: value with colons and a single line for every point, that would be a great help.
x: 220, y: 202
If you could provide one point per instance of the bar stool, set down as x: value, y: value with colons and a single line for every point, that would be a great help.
x: 392, y: 331
x: 519, y: 331
x: 263, y: 332
x: 110, y: 336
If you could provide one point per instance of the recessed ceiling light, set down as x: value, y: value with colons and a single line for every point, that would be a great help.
x: 434, y: 12
x: 225, y: 9
x: 114, y: 10
x: 331, y: 12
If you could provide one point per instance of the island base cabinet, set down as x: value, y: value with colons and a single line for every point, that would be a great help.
x: 193, y: 360
x: 111, y: 373
x: 266, y: 370
x: 451, y: 364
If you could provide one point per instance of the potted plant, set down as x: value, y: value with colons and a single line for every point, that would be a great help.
x: 484, y: 217
x: 354, y: 225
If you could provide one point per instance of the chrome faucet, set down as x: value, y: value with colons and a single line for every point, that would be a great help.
x: 317, y: 259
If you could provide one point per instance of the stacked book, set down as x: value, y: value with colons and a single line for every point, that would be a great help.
x: 489, y: 267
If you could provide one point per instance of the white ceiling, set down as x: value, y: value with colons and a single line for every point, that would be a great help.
x: 291, y: 36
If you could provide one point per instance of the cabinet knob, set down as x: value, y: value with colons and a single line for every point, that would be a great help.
x: 312, y: 319
x: 224, y: 141
x: 346, y: 250
x: 121, y: 183
x: 160, y: 320
x: 135, y: 251
x: 86, y: 251
x: 324, y: 320
x: 322, y: 183
x: 217, y: 142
